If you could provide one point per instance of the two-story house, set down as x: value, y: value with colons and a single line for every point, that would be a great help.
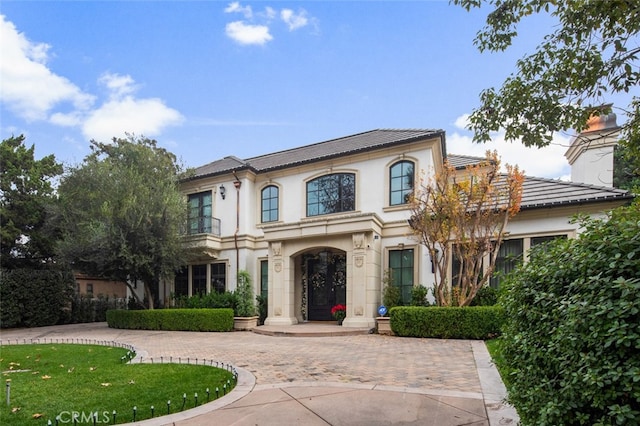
x: 320, y: 224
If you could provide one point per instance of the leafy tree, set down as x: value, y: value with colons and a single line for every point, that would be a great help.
x: 123, y: 213
x: 26, y: 190
x: 593, y: 52
x: 464, y: 214
x: 571, y: 336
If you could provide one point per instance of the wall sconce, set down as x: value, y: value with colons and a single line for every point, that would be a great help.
x: 223, y: 191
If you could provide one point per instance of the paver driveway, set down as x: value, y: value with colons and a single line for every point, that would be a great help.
x: 443, y: 368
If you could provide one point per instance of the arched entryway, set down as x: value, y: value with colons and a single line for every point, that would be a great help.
x: 324, y: 282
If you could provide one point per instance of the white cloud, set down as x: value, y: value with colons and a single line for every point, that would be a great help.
x: 546, y: 162
x: 248, y: 34
x: 118, y: 85
x: 235, y: 7
x: 293, y: 20
x: 256, y: 28
x: 146, y: 117
x: 29, y: 88
x: 34, y: 92
x: 269, y: 12
x: 123, y: 113
x: 71, y: 119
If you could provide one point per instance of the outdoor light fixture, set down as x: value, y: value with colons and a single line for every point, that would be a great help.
x: 223, y: 191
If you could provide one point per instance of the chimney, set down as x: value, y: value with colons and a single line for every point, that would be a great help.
x: 591, y: 152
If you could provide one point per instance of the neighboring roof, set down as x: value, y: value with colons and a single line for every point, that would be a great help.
x: 462, y: 161
x: 544, y: 193
x: 374, y: 139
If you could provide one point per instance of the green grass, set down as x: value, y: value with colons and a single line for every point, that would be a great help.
x: 494, y: 346
x: 59, y: 379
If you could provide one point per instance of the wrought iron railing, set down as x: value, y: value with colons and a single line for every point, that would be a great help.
x: 203, y: 225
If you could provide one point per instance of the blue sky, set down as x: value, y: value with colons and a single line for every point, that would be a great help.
x: 209, y: 79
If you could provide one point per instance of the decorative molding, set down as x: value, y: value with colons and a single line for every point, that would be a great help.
x: 358, y: 241
x: 276, y: 248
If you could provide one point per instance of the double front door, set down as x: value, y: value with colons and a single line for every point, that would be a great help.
x: 326, y: 283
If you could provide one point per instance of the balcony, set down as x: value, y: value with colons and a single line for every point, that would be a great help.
x: 202, y: 238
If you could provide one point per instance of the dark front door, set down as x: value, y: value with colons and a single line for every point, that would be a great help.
x: 327, y: 279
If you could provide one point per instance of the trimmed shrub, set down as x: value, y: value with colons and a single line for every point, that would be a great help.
x: 93, y: 309
x: 34, y: 297
x: 486, y: 296
x: 245, y: 303
x: 571, y: 338
x: 211, y: 300
x: 172, y: 319
x: 419, y: 296
x: 481, y: 322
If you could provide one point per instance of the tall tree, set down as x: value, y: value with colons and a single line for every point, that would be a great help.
x: 123, y: 213
x: 463, y: 214
x: 592, y: 53
x: 26, y: 190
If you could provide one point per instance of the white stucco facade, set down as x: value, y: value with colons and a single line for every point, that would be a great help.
x: 305, y: 262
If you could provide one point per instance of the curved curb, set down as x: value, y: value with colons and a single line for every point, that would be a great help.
x: 246, y: 383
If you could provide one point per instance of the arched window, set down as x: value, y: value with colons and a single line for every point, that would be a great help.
x: 270, y: 204
x: 401, y: 180
x: 331, y: 194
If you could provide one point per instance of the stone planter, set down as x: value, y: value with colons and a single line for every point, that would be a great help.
x: 384, y: 326
x: 245, y: 323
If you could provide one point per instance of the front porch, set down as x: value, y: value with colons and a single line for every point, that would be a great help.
x: 311, y: 329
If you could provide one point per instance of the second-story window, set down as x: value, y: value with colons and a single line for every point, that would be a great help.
x: 401, y: 177
x: 200, y: 213
x: 270, y: 204
x: 331, y: 194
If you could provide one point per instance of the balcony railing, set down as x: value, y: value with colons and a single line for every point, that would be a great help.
x: 204, y: 225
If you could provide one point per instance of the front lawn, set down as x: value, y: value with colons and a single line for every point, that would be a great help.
x: 51, y: 380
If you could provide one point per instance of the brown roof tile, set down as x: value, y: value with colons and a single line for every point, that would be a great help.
x: 374, y: 139
x: 540, y: 192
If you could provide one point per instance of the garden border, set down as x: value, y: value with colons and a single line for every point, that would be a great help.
x: 245, y: 380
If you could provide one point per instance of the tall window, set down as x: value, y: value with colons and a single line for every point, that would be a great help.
x: 181, y: 282
x: 509, y: 254
x: 200, y: 213
x: 401, y: 180
x: 219, y: 277
x: 270, y: 204
x: 401, y: 266
x: 199, y: 279
x: 264, y: 278
x: 331, y: 194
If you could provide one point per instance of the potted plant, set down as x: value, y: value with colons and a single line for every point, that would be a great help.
x: 339, y: 312
x: 245, y: 310
x: 391, y: 297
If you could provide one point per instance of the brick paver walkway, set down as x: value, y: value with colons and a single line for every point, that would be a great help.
x: 446, y: 365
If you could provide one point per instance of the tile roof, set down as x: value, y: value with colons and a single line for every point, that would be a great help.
x: 374, y: 139
x: 543, y: 193
x: 537, y: 192
x: 462, y: 161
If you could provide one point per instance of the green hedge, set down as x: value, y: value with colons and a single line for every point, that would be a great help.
x: 35, y: 297
x: 172, y: 319
x: 572, y: 335
x: 474, y: 322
